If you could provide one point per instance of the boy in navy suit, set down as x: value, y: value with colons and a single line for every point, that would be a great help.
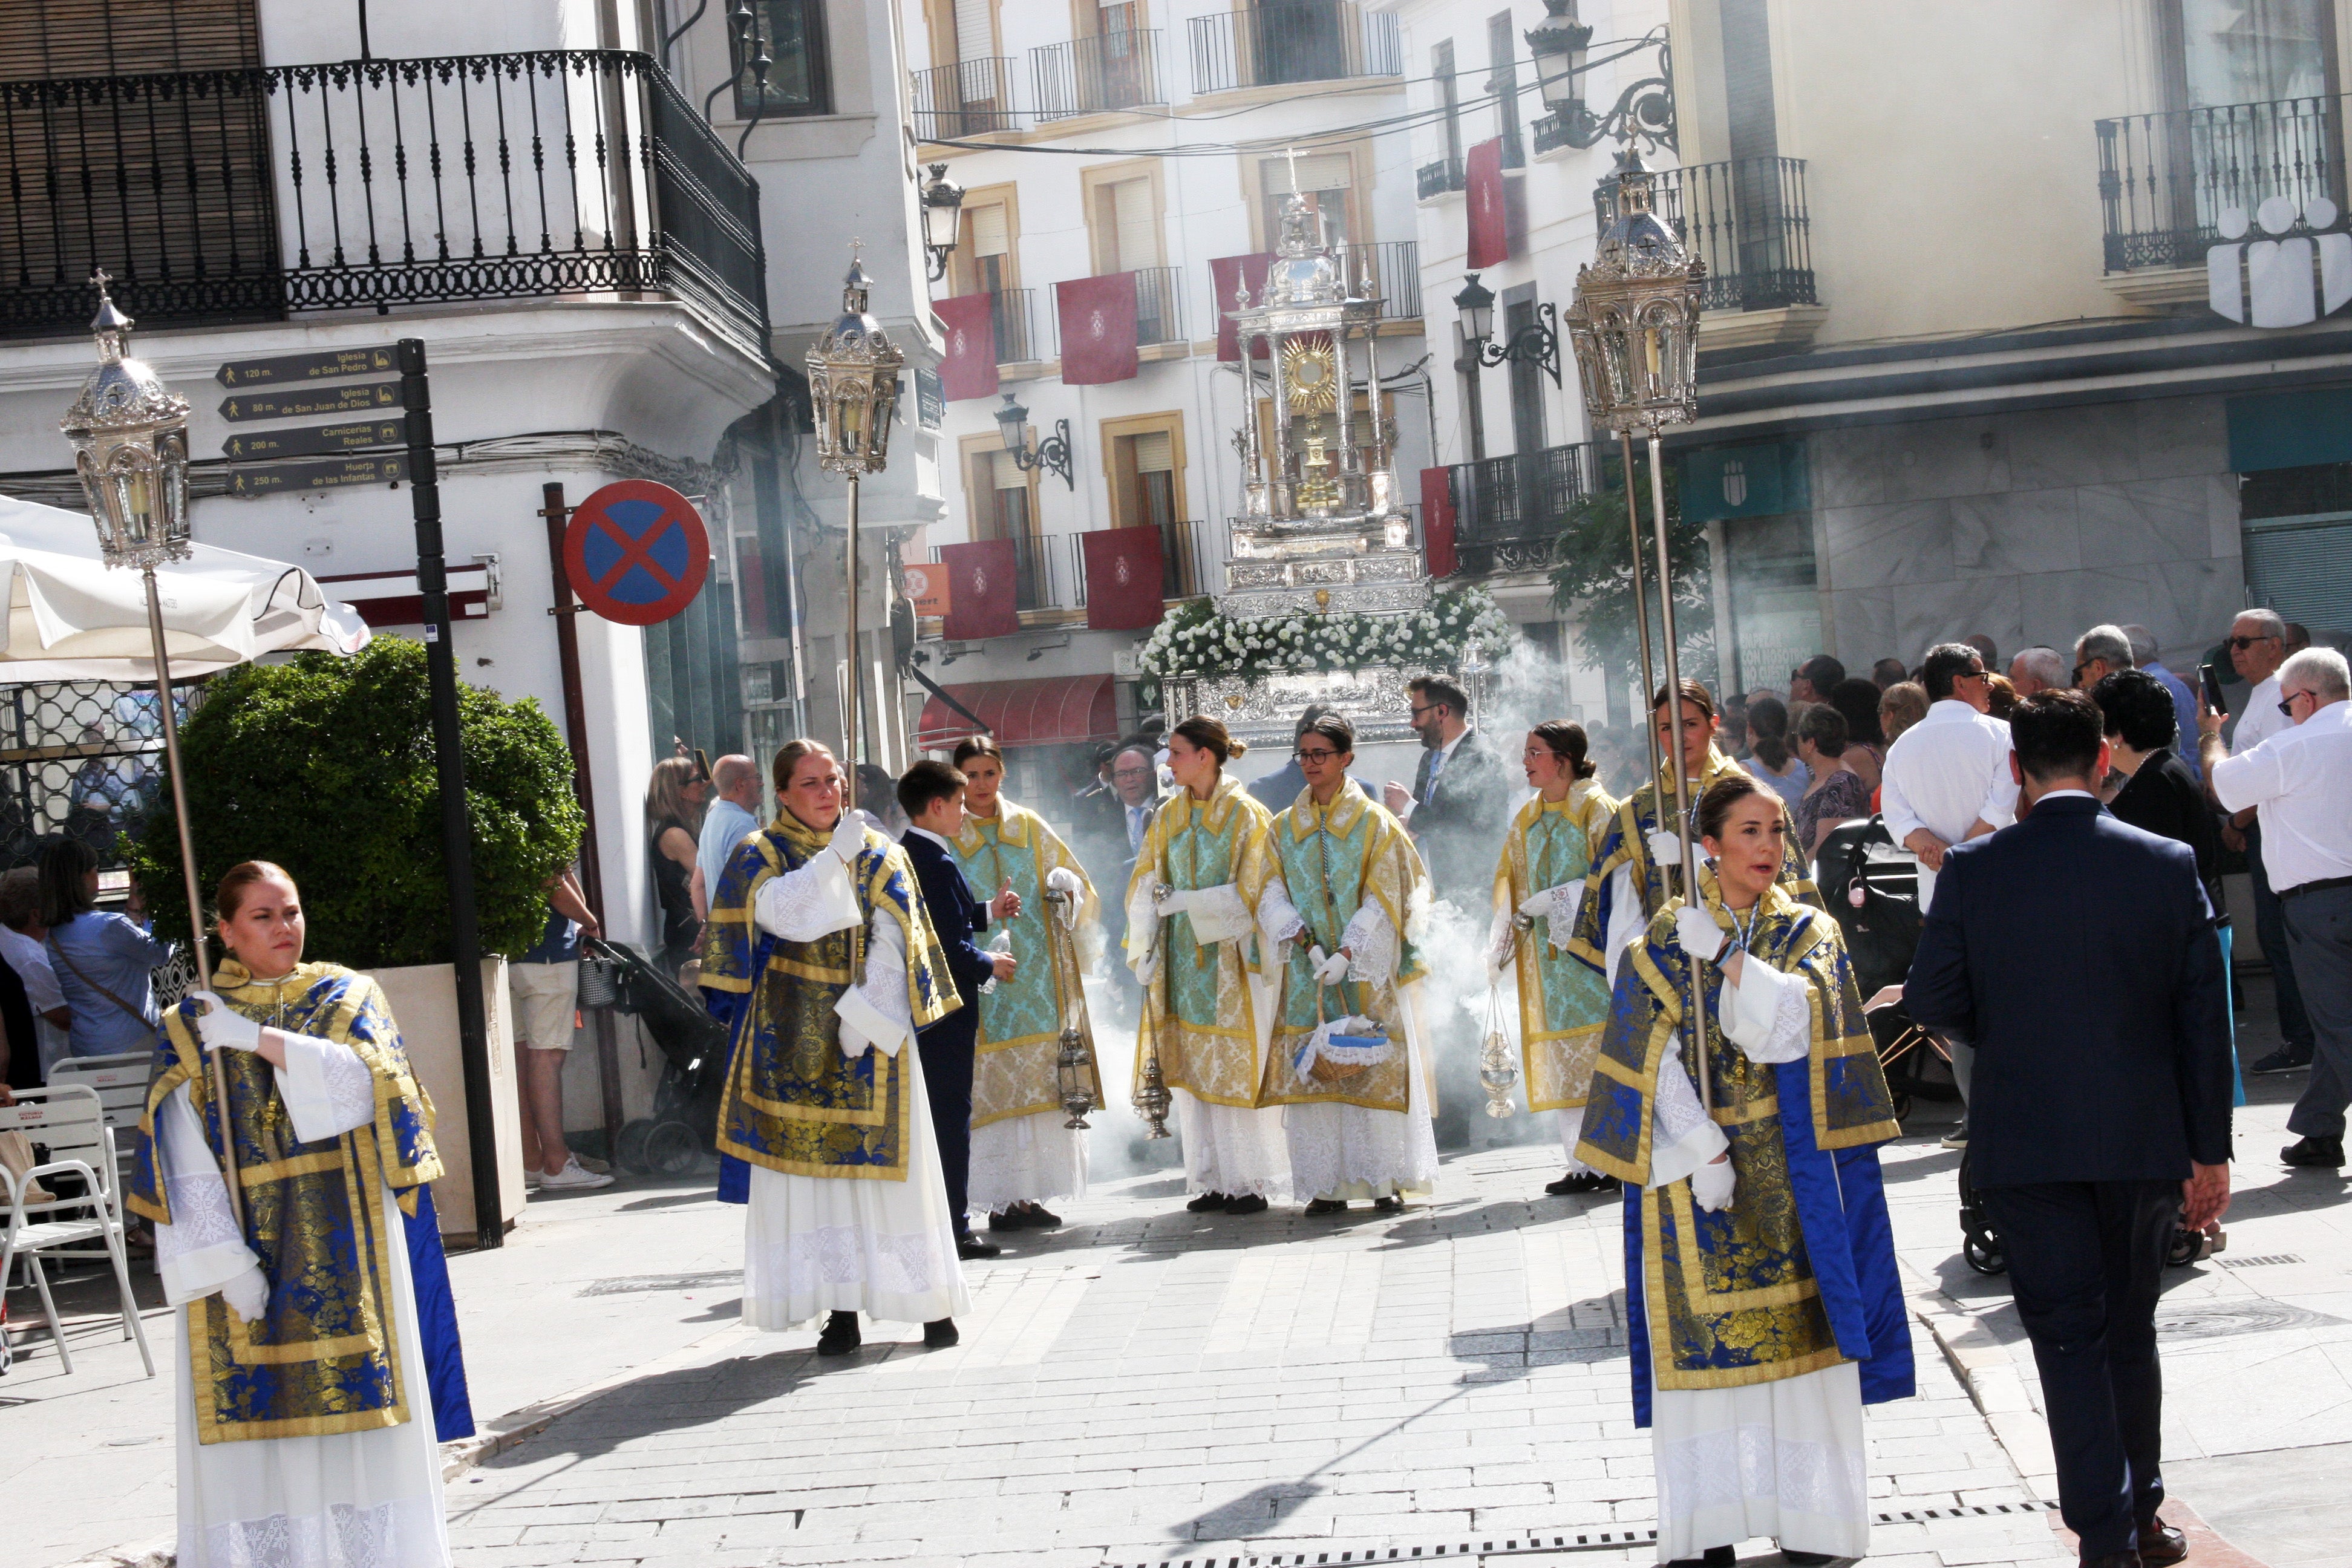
x: 931, y: 794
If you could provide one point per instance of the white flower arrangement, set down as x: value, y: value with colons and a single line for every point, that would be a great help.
x: 1198, y: 640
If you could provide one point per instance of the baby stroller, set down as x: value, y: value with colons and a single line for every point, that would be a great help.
x: 685, y: 1121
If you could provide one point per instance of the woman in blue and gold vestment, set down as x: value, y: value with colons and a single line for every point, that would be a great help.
x: 1021, y: 1152
x: 1204, y: 897
x: 1361, y: 894
x: 318, y: 1368
x: 820, y: 957
x: 1547, y: 856
x: 1636, y: 866
x: 1759, y: 1267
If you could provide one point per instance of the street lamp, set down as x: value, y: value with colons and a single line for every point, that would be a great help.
x: 1537, y: 344
x: 942, y: 213
x: 854, y: 393
x: 1633, y: 327
x: 1562, y: 49
x: 130, y: 437
x: 1051, y: 454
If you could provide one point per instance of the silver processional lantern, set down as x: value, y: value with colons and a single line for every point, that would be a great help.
x: 130, y: 435
x: 854, y: 396
x: 1634, y: 328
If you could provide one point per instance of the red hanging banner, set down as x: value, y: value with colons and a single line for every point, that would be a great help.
x: 1097, y: 320
x: 1490, y: 222
x: 1226, y: 275
x: 1123, y: 578
x: 1437, y: 522
x: 984, y: 595
x: 970, y: 368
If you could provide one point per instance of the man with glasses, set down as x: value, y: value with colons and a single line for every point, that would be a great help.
x: 1460, y: 797
x: 2296, y: 781
x: 2257, y: 644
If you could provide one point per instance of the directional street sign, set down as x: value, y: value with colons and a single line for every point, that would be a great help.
x: 319, y: 474
x: 303, y: 440
x: 287, y: 368
x: 354, y: 397
x: 637, y: 553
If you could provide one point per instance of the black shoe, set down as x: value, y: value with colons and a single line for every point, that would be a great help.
x: 1572, y: 1182
x: 2286, y: 1059
x: 2322, y: 1154
x: 1207, y: 1203
x: 2161, y: 1545
x: 1716, y: 1557
x: 1321, y: 1207
x: 1036, y: 1215
x: 840, y: 1336
x: 1011, y: 1219
x: 1805, y: 1559
x: 939, y: 1335
x: 1248, y: 1203
x: 1393, y: 1204
x: 971, y: 1248
x: 2113, y: 1560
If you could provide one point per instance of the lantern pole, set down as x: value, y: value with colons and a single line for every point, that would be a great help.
x: 1641, y: 599
x: 852, y: 666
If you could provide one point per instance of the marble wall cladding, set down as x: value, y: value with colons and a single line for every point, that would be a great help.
x: 2029, y: 527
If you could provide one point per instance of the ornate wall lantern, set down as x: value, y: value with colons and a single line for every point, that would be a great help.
x: 1562, y: 49
x: 1051, y: 454
x: 942, y: 218
x: 131, y: 447
x: 1537, y: 344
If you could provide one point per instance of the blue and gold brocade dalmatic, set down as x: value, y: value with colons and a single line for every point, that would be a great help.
x: 1198, y: 1011
x: 793, y: 1101
x: 1626, y: 842
x: 322, y: 1358
x: 1798, y: 1274
x: 1562, y: 1002
x: 1334, y: 861
x: 1020, y: 1037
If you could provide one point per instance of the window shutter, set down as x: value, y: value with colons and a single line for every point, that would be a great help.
x: 1135, y: 225
x: 1155, y: 452
x: 975, y: 34
x: 1320, y: 172
x: 49, y: 38
x: 990, y: 234
x: 1009, y: 476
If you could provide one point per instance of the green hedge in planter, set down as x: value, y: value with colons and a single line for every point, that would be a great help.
x: 325, y: 766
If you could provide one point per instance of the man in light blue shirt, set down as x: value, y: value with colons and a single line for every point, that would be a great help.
x: 2184, y: 702
x: 732, y: 817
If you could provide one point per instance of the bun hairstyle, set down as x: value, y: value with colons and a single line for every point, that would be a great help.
x: 1334, y: 729
x: 1715, y: 805
x: 1565, y: 738
x: 986, y: 746
x: 1768, y: 731
x: 789, y: 755
x: 1210, y: 736
x: 1692, y: 692
x: 229, y: 896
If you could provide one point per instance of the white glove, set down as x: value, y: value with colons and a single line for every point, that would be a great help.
x: 1712, y: 1182
x: 1315, y: 959
x: 222, y: 1029
x: 1148, y: 965
x: 1062, y: 880
x: 1332, y: 970
x: 1697, y: 931
x: 248, y: 1294
x: 849, y: 837
x: 1666, y: 848
x: 1175, y: 902
x: 1536, y: 904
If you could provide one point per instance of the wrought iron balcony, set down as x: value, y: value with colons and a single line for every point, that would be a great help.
x: 969, y: 97
x: 1279, y: 41
x: 251, y: 195
x: 1042, y: 574
x: 1185, y: 566
x: 1013, y: 314
x: 1158, y: 305
x: 1747, y: 219
x: 2167, y: 182
x: 1096, y: 75
x: 1389, y: 271
x: 1507, y: 511
x: 1437, y: 179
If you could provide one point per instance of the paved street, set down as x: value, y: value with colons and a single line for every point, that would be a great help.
x: 1149, y: 1386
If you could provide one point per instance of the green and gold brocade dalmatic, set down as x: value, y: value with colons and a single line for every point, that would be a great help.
x: 322, y: 1358
x: 1198, y: 1011
x: 1563, y: 1003
x: 1020, y: 1037
x: 1735, y: 1297
x: 793, y: 1101
x: 1334, y: 861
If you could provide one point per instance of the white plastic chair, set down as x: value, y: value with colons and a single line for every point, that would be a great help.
x: 121, y: 1082
x: 69, y: 1120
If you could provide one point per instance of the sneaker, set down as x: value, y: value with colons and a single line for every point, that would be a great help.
x: 575, y: 1174
x: 1957, y: 1138
x: 2286, y: 1059
x: 532, y: 1179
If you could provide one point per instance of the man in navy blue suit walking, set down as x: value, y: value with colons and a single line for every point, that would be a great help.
x: 2078, y: 954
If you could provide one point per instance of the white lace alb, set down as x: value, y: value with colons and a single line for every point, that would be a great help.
x: 1371, y: 941
x: 848, y: 1254
x: 388, y: 1535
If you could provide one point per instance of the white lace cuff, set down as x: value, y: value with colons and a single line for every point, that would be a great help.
x: 1371, y: 941
x: 877, y: 1012
x: 1277, y: 916
x: 1143, y: 922
x: 1559, y: 920
x: 328, y: 1090
x: 201, y: 1249
x: 1682, y: 1137
x: 1771, y: 1015
x: 815, y: 902
x: 1218, y: 914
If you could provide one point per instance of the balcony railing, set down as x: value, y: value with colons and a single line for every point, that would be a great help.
x: 1012, y: 313
x: 970, y: 97
x: 1391, y: 271
x: 1508, y: 511
x: 1185, y: 566
x: 2168, y: 183
x: 1293, y: 41
x: 1158, y: 305
x: 1043, y: 578
x: 1445, y: 175
x: 1094, y: 75
x: 248, y: 196
x: 1747, y: 219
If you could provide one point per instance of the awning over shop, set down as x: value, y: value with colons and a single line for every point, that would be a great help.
x: 1056, y: 711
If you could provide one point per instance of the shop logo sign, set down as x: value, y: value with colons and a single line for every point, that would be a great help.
x: 1735, y: 483
x: 2273, y: 282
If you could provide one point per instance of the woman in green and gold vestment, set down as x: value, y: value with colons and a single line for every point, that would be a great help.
x: 822, y: 962
x: 1638, y: 864
x: 1021, y: 1152
x: 319, y: 1368
x: 1547, y: 856
x: 1196, y: 941
x: 1761, y: 1292
x: 1348, y: 953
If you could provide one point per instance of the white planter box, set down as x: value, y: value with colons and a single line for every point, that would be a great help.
x: 424, y: 1000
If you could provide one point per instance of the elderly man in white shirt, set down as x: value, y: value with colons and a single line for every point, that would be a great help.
x: 2257, y: 644
x: 2296, y: 781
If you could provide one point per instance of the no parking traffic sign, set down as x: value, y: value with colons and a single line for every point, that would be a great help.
x: 637, y: 553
